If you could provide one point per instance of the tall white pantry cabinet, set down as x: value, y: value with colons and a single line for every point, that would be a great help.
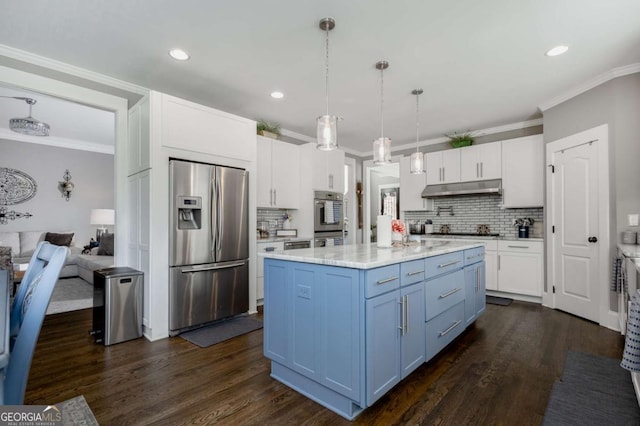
x: 163, y: 127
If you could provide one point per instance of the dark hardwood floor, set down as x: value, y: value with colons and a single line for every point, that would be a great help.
x: 499, y: 371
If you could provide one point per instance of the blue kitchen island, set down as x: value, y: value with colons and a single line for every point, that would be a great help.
x: 343, y: 325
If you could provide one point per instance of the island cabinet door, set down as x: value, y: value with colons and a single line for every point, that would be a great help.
x: 481, y: 299
x: 338, y: 338
x: 383, y: 333
x: 413, y: 333
x: 277, y: 312
x: 470, y: 293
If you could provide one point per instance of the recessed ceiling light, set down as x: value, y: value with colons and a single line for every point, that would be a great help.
x: 179, y: 54
x: 558, y: 50
x: 277, y: 95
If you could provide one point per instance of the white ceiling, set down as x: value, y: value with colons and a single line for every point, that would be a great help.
x: 481, y: 63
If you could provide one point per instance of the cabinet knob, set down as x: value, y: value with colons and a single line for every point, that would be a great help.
x: 592, y: 239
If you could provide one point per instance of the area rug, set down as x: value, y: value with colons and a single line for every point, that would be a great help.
x: 502, y: 301
x: 593, y: 390
x: 221, y: 331
x: 70, y: 294
x: 76, y: 411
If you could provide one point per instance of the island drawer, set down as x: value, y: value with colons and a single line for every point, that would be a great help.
x: 381, y: 280
x: 412, y: 272
x: 442, y: 329
x: 473, y: 255
x: 444, y: 263
x: 443, y: 292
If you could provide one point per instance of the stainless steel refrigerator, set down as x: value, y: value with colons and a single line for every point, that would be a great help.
x: 208, y: 243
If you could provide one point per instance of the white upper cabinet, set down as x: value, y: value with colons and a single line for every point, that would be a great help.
x: 411, y: 187
x: 278, y: 172
x: 523, y: 172
x: 190, y: 126
x: 480, y: 162
x: 328, y: 169
x: 443, y: 166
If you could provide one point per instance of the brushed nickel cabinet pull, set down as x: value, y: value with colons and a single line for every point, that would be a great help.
x: 444, y: 265
x: 414, y: 273
x: 386, y: 280
x: 449, y: 293
x: 445, y: 332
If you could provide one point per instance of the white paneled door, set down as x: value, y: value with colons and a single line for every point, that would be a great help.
x: 575, y: 221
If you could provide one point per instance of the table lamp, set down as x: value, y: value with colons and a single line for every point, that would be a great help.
x: 102, y: 217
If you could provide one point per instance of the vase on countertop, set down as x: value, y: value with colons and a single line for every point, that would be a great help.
x: 286, y: 224
x: 396, y: 237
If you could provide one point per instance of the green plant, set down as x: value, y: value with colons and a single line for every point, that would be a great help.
x: 459, y: 140
x: 266, y: 126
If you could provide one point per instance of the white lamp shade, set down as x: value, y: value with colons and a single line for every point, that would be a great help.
x: 417, y: 163
x: 327, y: 132
x: 382, y: 151
x: 103, y: 217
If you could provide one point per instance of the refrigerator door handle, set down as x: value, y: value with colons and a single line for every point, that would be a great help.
x: 191, y: 269
x: 218, y: 216
x: 213, y: 216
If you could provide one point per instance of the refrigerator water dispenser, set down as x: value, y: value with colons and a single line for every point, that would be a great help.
x: 189, y: 212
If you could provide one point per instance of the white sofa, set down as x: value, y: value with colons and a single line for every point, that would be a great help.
x: 24, y: 243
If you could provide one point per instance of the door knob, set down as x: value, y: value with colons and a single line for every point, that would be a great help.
x: 592, y: 239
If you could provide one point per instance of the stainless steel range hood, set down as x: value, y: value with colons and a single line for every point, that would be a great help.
x: 486, y: 187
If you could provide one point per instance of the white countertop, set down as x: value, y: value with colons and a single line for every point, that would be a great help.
x: 368, y: 256
x: 286, y: 239
x: 475, y: 237
x: 630, y: 250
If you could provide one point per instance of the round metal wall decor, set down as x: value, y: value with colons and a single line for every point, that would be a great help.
x: 15, y: 186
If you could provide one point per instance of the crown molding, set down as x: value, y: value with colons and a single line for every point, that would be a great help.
x: 590, y: 84
x: 58, y: 142
x: 21, y: 55
x: 482, y: 132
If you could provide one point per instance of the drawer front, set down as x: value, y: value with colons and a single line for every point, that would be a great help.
x: 443, y: 292
x: 412, y: 272
x: 520, y: 246
x: 474, y: 255
x: 266, y: 247
x: 444, y: 263
x: 381, y: 280
x: 442, y: 329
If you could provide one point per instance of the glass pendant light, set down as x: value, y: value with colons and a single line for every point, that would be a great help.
x: 382, y: 145
x: 417, y: 158
x: 327, y: 134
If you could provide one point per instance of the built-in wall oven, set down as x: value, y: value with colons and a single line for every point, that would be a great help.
x: 328, y: 219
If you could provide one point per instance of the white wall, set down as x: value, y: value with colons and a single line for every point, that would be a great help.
x: 93, y: 177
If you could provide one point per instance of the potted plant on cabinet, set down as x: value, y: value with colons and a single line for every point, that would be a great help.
x: 458, y: 140
x: 267, y: 129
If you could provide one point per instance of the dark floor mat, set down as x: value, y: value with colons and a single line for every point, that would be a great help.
x: 502, y: 301
x: 221, y: 331
x: 593, y: 390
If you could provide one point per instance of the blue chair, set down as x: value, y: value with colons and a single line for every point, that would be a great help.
x: 27, y: 314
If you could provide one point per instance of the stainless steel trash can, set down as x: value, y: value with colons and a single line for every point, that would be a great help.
x: 117, y: 304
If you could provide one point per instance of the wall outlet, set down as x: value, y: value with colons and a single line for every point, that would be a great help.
x: 633, y: 219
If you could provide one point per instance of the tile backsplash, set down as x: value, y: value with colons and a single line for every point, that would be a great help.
x: 273, y: 216
x: 471, y: 211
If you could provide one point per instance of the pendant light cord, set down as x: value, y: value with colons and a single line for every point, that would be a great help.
x: 417, y: 121
x: 327, y: 69
x: 381, y: 103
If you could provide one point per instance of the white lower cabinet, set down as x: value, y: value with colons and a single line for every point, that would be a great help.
x: 520, y: 267
x: 264, y: 247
